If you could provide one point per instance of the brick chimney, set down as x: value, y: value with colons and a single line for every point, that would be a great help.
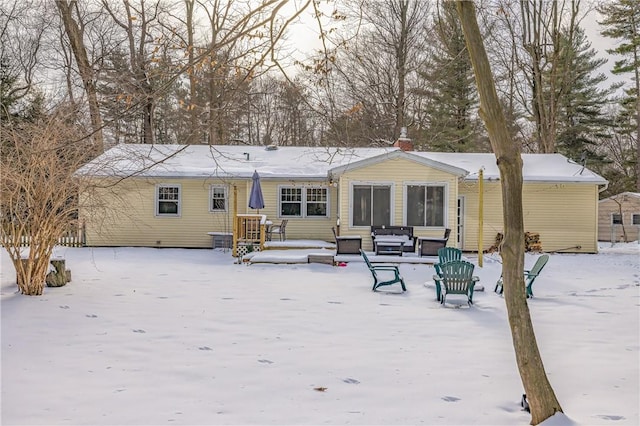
x: 403, y: 142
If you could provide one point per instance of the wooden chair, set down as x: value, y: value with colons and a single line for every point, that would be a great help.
x: 393, y: 269
x: 279, y: 230
x: 457, y: 278
x: 529, y: 276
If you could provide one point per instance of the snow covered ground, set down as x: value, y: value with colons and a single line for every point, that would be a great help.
x: 147, y: 336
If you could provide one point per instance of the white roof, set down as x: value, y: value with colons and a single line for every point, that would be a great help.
x: 240, y: 161
x: 535, y: 167
x: 622, y: 194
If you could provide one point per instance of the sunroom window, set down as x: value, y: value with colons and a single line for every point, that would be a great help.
x: 371, y: 205
x: 425, y: 205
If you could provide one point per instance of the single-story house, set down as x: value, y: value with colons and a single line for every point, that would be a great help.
x: 619, y: 217
x: 174, y: 195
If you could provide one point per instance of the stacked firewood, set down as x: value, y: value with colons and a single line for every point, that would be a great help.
x: 531, y: 242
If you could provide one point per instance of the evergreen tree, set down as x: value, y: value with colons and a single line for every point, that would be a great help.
x: 7, y: 93
x: 622, y: 22
x: 450, y: 87
x: 581, y: 121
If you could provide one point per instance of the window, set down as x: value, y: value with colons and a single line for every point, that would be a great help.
x: 218, y: 198
x: 425, y: 205
x: 371, y: 205
x: 168, y: 200
x: 303, y: 202
x: 291, y: 202
x: 635, y: 219
x: 316, y: 202
x: 616, y: 219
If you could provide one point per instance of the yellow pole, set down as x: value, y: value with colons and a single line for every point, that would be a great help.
x: 234, y: 252
x: 480, y: 214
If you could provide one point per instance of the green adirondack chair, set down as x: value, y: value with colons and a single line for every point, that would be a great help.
x: 529, y: 276
x: 457, y: 278
x: 385, y: 268
x: 445, y: 254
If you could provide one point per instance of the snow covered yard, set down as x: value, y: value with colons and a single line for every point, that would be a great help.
x: 169, y: 336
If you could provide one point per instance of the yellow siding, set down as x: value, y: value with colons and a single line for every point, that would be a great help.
x: 565, y: 215
x: 627, y: 205
x: 129, y: 216
x: 297, y: 228
x: 397, y: 171
x: 124, y: 215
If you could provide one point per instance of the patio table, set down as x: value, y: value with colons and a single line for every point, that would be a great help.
x: 390, y: 244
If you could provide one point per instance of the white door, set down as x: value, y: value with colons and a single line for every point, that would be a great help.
x: 460, y: 222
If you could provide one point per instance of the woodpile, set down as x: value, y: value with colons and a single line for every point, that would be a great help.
x: 532, y: 243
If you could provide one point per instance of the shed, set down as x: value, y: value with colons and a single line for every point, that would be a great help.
x: 619, y: 217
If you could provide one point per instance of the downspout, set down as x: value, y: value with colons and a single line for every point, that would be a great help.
x: 600, y: 191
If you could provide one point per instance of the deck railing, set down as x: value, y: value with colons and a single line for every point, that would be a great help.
x: 249, y: 230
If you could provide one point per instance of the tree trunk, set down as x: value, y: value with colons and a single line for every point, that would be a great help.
x: 59, y: 277
x: 542, y: 400
x: 31, y: 274
x: 194, y: 134
x: 401, y: 58
x: 74, y: 34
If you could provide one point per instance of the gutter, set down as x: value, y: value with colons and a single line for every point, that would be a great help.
x: 604, y: 188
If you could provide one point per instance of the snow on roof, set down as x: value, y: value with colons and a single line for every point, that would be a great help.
x: 622, y: 194
x: 536, y: 167
x: 240, y: 161
x: 224, y: 161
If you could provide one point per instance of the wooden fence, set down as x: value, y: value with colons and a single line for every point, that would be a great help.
x: 74, y: 237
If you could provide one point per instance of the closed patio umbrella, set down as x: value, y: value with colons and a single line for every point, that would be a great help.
x: 256, y: 201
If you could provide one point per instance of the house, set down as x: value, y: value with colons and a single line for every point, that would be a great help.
x: 619, y: 217
x: 174, y: 195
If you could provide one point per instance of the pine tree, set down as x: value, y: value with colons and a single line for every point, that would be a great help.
x: 581, y: 121
x: 450, y: 88
x: 622, y: 22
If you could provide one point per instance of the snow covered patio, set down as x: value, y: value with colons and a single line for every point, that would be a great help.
x: 304, y: 251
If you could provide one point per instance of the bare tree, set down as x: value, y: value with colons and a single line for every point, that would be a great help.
x: 367, y: 91
x: 38, y: 191
x: 138, y: 22
x: 542, y: 399
x: 21, y: 41
x: 74, y: 29
x: 542, y: 23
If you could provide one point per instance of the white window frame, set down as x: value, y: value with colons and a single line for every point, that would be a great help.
x: 613, y: 215
x: 225, y: 190
x: 306, y: 201
x: 157, y: 199
x: 445, y: 201
x: 633, y: 219
x: 392, y: 189
x: 303, y: 201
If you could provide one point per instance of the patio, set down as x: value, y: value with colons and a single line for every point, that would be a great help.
x: 300, y: 251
